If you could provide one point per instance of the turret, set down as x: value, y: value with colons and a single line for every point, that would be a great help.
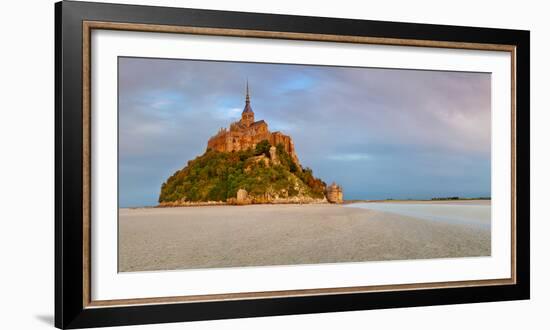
x: 335, y: 194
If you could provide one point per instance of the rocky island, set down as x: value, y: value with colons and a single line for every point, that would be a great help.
x: 247, y: 164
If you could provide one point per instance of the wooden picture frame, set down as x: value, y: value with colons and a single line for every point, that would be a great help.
x: 74, y: 307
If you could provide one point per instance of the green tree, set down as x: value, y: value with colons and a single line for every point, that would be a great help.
x: 263, y: 148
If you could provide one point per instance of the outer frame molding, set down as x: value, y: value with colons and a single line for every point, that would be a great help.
x: 73, y: 307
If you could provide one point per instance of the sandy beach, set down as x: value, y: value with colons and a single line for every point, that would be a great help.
x: 259, y: 235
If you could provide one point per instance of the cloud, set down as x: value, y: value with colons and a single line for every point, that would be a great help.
x: 348, y: 157
x: 378, y: 132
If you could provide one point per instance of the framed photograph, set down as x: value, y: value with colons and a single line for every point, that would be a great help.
x: 214, y: 164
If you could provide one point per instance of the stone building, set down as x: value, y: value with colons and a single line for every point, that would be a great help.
x: 247, y: 132
x: 335, y: 194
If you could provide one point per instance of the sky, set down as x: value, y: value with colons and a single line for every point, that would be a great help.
x: 379, y: 133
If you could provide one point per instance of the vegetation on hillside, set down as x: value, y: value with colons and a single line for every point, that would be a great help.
x: 217, y: 176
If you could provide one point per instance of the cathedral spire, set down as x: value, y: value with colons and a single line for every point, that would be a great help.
x: 247, y: 107
x: 247, y: 117
x: 247, y: 94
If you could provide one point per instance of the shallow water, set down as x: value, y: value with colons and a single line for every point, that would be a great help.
x: 470, y: 214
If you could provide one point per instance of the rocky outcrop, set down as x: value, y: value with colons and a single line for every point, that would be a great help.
x: 179, y: 203
x: 241, y: 199
x: 273, y: 156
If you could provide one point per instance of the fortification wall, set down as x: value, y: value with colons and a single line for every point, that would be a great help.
x: 237, y: 140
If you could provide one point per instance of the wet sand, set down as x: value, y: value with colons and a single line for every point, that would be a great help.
x: 260, y: 235
x: 475, y: 213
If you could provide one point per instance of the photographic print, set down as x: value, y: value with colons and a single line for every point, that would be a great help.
x: 236, y: 164
x: 215, y: 164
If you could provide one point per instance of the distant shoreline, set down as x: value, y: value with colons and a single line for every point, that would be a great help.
x: 416, y: 200
x: 346, y: 202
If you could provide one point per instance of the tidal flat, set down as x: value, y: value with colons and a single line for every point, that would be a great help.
x: 260, y: 235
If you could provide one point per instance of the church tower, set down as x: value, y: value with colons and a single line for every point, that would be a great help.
x: 247, y: 117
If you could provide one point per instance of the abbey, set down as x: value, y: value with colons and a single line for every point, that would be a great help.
x: 247, y: 132
x: 233, y: 172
